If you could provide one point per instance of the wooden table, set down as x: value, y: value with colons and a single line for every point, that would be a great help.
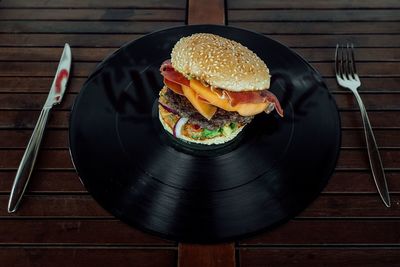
x: 59, y: 224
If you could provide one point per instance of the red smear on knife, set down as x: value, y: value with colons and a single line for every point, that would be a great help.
x: 62, y: 75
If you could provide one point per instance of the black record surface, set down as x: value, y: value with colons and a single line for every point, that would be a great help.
x: 134, y: 169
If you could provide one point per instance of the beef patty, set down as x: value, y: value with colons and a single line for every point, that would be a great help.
x: 185, y: 109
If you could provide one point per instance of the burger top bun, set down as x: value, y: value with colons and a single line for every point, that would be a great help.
x: 220, y: 62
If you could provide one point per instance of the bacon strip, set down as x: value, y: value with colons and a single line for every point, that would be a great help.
x: 169, y: 73
x: 235, y: 98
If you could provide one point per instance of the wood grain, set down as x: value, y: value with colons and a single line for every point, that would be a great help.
x: 305, y: 27
x: 12, y: 101
x: 42, y: 84
x: 58, y: 139
x: 333, y: 232
x: 36, y: 84
x: 87, y: 27
x: 25, y: 119
x: 73, y: 232
x: 316, y: 4
x: 206, y: 255
x: 44, y: 182
x: 181, y: 4
x: 206, y: 12
x: 78, y: 256
x: 327, y: 40
x: 116, y: 40
x: 320, y: 257
x: 267, y: 15
x: 326, y: 206
x: 106, y: 14
x: 325, y: 54
x: 83, y: 69
x: 60, y: 159
x: 68, y: 182
x: 59, y: 39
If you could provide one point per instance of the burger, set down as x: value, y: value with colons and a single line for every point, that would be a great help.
x: 213, y: 88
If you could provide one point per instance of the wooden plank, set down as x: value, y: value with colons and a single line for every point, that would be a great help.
x: 13, y: 139
x: 93, y: 4
x: 116, y: 40
x: 42, y: 85
x: 45, y: 182
x: 194, y: 255
x: 79, y: 69
x: 348, y: 159
x: 75, y: 40
x: 58, y: 138
x: 363, y: 206
x: 27, y: 119
x: 318, y: 257
x: 325, y: 206
x: 326, y: 40
x: 93, y: 14
x: 22, y: 119
x: 87, y: 256
x: 53, y: 54
x: 361, y: 54
x: 97, y: 54
x: 378, y: 119
x: 374, y: 85
x: 358, y: 159
x: 381, y: 102
x: 83, y: 69
x: 52, y: 159
x: 68, y: 182
x: 36, y: 84
x: 206, y: 11
x: 70, y: 232
x: 371, y: 69
x: 317, y: 4
x: 384, y: 138
x: 314, y: 15
x: 86, y: 27
x: 33, y: 101
x: 55, y: 206
x: 360, y: 182
x: 317, y: 28
x: 371, y: 101
x: 332, y: 232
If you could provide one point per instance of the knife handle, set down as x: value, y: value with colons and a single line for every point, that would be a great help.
x: 28, y: 161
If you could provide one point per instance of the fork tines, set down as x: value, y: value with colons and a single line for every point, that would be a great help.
x: 345, y: 65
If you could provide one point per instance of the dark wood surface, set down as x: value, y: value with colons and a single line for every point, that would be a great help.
x: 59, y: 224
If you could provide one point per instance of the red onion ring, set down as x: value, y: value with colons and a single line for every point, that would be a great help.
x: 179, y: 126
x: 169, y: 109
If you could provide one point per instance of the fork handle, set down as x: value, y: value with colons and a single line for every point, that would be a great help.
x: 373, y: 154
x: 28, y: 161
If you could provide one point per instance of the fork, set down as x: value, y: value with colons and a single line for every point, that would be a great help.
x: 346, y: 76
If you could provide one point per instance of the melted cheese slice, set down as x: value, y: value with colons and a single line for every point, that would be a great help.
x: 203, y: 108
x: 245, y: 109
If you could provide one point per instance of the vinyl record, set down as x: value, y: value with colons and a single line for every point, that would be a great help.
x: 136, y: 171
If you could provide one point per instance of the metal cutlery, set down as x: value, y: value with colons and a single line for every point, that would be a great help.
x: 29, y: 158
x: 347, y: 77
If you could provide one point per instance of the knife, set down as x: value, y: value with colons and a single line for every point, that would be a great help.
x: 28, y: 160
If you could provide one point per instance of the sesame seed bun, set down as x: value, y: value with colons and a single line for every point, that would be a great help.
x: 220, y: 62
x: 210, y: 141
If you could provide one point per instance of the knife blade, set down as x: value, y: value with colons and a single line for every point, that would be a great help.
x: 28, y: 160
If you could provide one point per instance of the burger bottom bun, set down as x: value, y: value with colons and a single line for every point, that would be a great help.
x: 211, y: 141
